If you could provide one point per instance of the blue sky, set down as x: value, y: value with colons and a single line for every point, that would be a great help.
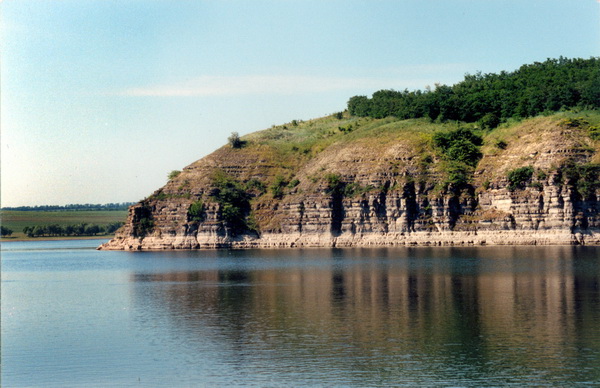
x: 100, y: 100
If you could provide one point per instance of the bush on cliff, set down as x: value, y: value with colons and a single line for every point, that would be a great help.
x: 196, y: 212
x: 233, y: 199
x: 584, y: 178
x: 235, y: 141
x: 518, y: 177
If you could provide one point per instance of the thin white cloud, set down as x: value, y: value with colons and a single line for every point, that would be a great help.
x: 269, y: 85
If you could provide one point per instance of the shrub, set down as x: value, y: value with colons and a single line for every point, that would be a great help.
x: 537, y: 185
x: 460, y: 145
x: 464, y: 151
x: 335, y: 185
x: 355, y: 189
x: 489, y: 121
x: 234, y: 201
x: 144, y: 226
x: 256, y: 187
x: 277, y: 186
x: 594, y: 132
x: 541, y: 175
x: 501, y: 144
x: 235, y: 141
x: 196, y: 212
x: 143, y: 221
x: 174, y: 174
x: 518, y: 177
x: 458, y: 177
x: 584, y: 178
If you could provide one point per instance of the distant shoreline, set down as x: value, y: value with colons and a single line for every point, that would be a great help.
x: 56, y: 238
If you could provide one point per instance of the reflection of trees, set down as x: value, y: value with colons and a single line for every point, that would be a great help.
x: 498, y: 312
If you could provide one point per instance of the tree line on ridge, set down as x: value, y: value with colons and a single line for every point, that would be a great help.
x: 492, y: 98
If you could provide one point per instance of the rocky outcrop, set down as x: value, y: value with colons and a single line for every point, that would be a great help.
x: 387, y: 190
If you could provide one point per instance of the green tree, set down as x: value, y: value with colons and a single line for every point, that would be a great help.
x: 92, y: 230
x: 5, y: 232
x: 233, y: 199
x: 460, y: 145
x: 113, y: 227
x: 28, y: 231
x: 490, y: 98
x: 359, y: 106
x: 69, y: 230
x: 39, y: 231
x: 235, y: 141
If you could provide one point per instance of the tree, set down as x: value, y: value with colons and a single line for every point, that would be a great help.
x: 4, y: 231
x: 93, y: 230
x: 69, y: 230
x: 233, y: 199
x: 28, y: 231
x: 532, y: 89
x: 39, y: 231
x: 235, y: 141
x: 359, y: 106
x: 459, y: 145
x: 112, y: 227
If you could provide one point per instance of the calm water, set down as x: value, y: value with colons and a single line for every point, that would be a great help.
x: 525, y: 316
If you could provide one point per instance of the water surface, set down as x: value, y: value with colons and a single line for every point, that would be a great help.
x: 488, y: 316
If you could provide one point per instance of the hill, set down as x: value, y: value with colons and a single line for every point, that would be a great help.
x: 344, y: 180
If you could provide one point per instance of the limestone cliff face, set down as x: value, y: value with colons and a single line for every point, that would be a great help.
x: 382, y: 188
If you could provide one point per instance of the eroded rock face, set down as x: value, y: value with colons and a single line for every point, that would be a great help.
x: 387, y: 195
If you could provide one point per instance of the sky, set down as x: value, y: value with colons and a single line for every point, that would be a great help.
x: 101, y: 99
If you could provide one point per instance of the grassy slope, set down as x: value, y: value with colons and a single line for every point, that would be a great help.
x: 365, y: 148
x: 17, y: 220
x: 313, y: 148
x: 311, y: 137
x: 298, y: 143
x: 295, y: 145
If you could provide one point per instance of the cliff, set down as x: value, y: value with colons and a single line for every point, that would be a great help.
x: 344, y: 181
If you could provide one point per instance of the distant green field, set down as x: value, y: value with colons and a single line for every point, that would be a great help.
x: 17, y: 220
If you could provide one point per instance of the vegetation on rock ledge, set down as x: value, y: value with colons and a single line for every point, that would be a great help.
x: 366, y: 156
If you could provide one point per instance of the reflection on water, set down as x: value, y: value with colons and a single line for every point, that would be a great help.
x: 525, y: 316
x: 441, y: 316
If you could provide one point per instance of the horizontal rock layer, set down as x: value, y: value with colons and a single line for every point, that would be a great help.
x: 398, y: 198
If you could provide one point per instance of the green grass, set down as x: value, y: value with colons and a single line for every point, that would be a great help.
x: 17, y: 220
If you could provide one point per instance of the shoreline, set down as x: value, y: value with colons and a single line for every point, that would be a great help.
x: 430, y: 239
x: 58, y: 238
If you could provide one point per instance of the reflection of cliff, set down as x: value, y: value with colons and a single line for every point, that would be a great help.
x: 490, y: 311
